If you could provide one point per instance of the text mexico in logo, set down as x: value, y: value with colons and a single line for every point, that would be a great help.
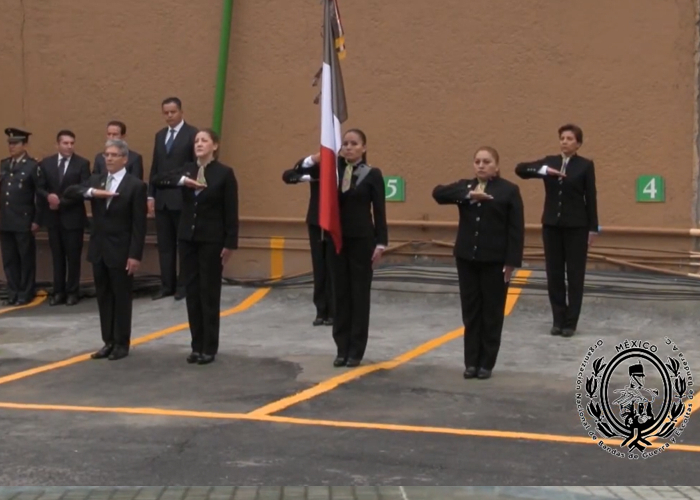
x: 636, y: 396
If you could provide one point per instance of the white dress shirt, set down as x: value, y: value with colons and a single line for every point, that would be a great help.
x: 68, y: 158
x: 176, y: 128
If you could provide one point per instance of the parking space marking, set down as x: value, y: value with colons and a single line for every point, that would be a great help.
x: 247, y: 303
x: 40, y: 298
x: 329, y: 384
x: 485, y: 433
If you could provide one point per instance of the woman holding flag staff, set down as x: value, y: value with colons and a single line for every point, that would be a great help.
x: 361, y: 203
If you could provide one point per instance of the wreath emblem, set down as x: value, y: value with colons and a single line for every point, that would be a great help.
x: 638, y: 414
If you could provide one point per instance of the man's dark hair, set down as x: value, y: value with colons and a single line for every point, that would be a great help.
x: 117, y: 123
x: 175, y: 100
x: 64, y: 132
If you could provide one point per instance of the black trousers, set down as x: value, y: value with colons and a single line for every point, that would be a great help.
x: 352, y: 286
x: 202, y: 274
x: 322, y: 255
x: 114, y: 301
x: 19, y: 263
x: 483, y: 295
x: 67, y: 250
x: 565, y: 252
x: 167, y: 222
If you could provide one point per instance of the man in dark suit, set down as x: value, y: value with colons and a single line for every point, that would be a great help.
x: 173, y: 148
x: 20, y: 181
x: 117, y: 238
x: 322, y: 249
x: 64, y: 219
x: 569, y: 224
x: 134, y: 165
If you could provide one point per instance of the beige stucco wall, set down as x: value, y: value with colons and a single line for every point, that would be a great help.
x: 429, y: 81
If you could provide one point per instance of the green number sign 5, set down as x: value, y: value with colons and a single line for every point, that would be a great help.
x: 394, y: 188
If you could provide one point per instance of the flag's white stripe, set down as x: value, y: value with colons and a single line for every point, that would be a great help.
x: 330, y: 126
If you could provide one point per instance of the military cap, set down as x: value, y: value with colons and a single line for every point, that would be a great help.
x: 637, y: 369
x: 16, y: 135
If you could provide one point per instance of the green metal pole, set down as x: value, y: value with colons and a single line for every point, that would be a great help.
x: 223, y: 66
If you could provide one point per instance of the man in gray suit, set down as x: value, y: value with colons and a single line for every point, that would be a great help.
x: 116, y: 130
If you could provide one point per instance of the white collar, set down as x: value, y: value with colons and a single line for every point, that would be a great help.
x: 118, y: 176
x: 177, y: 127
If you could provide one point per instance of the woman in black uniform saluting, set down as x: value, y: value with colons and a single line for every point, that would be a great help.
x: 489, y: 246
x: 569, y: 223
x: 365, y: 236
x: 207, y: 234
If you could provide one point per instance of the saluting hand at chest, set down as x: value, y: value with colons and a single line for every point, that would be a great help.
x: 479, y: 196
x: 555, y: 173
x: 193, y: 184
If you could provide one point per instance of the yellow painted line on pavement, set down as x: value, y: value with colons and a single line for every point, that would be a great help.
x: 328, y: 385
x: 484, y: 433
x: 40, y: 298
x: 247, y: 303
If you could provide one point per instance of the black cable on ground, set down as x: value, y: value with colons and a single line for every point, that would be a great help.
x: 607, y: 284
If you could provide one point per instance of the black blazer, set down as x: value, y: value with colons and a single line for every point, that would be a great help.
x: 489, y: 231
x: 71, y: 213
x: 212, y: 215
x: 363, y: 206
x: 571, y: 202
x: 181, y: 153
x: 134, y: 165
x: 118, y: 233
x: 292, y: 176
x: 19, y: 194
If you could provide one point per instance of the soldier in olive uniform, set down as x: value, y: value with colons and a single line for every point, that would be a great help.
x: 20, y: 179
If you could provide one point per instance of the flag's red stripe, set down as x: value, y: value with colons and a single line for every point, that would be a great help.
x: 329, y: 210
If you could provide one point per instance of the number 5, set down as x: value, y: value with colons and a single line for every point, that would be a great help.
x: 650, y: 188
x: 392, y: 187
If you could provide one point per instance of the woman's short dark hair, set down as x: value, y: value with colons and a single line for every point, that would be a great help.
x: 363, y: 138
x: 214, y: 138
x: 574, y: 129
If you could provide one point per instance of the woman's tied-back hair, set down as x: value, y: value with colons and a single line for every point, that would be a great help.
x: 363, y: 138
x: 493, y: 152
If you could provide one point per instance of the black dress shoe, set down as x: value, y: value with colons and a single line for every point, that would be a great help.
x: 328, y: 322
x: 338, y: 362
x: 72, y: 300
x: 102, y: 353
x: 470, y: 372
x: 56, y: 299
x: 205, y: 359
x: 483, y: 373
x: 353, y: 363
x: 11, y: 301
x: 568, y: 332
x: 193, y: 357
x: 179, y: 295
x: 318, y: 321
x: 118, y: 352
x: 555, y: 330
x: 161, y: 295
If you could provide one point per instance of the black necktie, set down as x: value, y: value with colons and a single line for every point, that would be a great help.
x: 61, y: 168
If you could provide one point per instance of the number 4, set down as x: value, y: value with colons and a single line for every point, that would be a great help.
x: 650, y: 188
